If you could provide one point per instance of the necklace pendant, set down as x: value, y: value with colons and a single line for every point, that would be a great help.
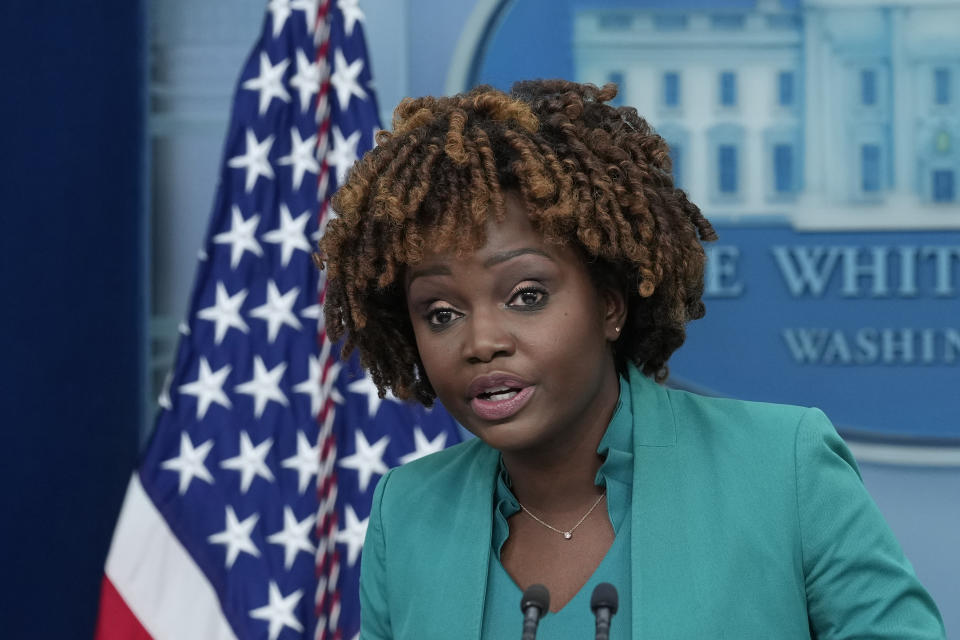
x: 567, y: 535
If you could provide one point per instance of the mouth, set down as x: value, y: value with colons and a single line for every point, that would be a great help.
x: 499, y: 393
x: 500, y: 402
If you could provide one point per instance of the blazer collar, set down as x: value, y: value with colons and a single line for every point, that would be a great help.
x: 654, y: 422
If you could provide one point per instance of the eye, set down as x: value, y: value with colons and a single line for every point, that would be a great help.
x: 529, y: 298
x: 438, y: 317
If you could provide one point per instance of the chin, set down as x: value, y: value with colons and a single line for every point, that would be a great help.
x: 512, y: 436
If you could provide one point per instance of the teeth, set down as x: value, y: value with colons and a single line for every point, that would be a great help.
x: 497, y: 390
x: 502, y: 395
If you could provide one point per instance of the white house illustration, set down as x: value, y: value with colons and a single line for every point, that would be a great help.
x: 829, y: 113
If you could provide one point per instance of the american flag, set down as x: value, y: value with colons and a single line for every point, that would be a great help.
x: 247, y: 514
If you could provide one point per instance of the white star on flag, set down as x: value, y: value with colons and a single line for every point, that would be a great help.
x: 366, y: 386
x: 312, y: 386
x: 189, y: 464
x: 240, y: 237
x: 343, y: 153
x: 344, y: 79
x: 236, y: 536
x: 351, y: 14
x: 310, y: 9
x: 225, y: 312
x: 254, y: 159
x: 367, y: 460
x: 423, y: 446
x: 264, y: 386
x: 208, y: 387
x: 311, y: 313
x: 306, y: 80
x: 302, y: 157
x: 306, y: 462
x: 250, y: 462
x: 290, y: 235
x: 279, y: 11
x: 279, y: 611
x: 295, y: 536
x: 353, y: 534
x: 277, y: 310
x: 269, y: 83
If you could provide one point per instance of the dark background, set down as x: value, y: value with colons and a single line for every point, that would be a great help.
x: 72, y: 135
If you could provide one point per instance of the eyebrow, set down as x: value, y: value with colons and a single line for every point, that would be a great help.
x: 503, y: 256
x: 497, y: 258
x: 436, y: 270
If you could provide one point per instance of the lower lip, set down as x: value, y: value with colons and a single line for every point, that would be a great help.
x: 501, y: 409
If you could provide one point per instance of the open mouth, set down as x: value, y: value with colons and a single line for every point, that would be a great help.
x: 499, y: 393
x: 500, y: 403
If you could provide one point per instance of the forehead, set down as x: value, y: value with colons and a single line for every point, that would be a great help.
x: 508, y: 244
x: 515, y: 232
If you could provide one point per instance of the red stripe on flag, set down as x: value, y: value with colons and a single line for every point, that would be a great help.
x: 116, y: 621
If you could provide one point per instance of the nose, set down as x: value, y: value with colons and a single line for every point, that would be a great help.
x: 487, y: 337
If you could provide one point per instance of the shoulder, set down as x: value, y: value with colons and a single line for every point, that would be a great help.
x: 436, y: 480
x: 766, y: 447
x: 666, y: 416
x: 751, y: 438
x: 738, y: 418
x: 440, y: 465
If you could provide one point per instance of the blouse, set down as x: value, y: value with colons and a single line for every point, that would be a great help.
x: 502, y: 617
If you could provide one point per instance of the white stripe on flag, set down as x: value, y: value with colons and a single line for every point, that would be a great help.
x: 158, y: 579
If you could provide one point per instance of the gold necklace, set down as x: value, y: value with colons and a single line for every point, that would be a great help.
x: 568, y: 533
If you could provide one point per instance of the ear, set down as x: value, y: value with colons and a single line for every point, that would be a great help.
x: 614, y: 312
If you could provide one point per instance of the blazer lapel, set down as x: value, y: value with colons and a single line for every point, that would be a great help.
x: 655, y: 521
x: 461, y: 567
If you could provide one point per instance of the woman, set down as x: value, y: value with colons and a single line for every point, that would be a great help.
x: 526, y: 259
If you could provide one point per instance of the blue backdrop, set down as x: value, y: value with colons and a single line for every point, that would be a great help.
x: 865, y: 326
x: 71, y: 260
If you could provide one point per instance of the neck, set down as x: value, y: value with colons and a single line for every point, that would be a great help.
x: 560, y: 476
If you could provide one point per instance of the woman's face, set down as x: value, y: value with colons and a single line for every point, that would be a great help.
x: 516, y: 339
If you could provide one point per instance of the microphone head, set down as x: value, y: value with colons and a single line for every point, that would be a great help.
x: 537, y: 596
x: 604, y: 595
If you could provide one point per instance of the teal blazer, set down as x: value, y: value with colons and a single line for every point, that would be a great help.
x: 749, y: 520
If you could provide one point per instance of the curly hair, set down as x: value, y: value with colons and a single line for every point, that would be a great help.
x: 590, y: 174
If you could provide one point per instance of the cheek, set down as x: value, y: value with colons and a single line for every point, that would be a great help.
x: 576, y: 325
x: 574, y: 340
x: 436, y: 356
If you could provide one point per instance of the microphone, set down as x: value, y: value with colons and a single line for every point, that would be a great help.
x: 603, y: 603
x: 535, y: 603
